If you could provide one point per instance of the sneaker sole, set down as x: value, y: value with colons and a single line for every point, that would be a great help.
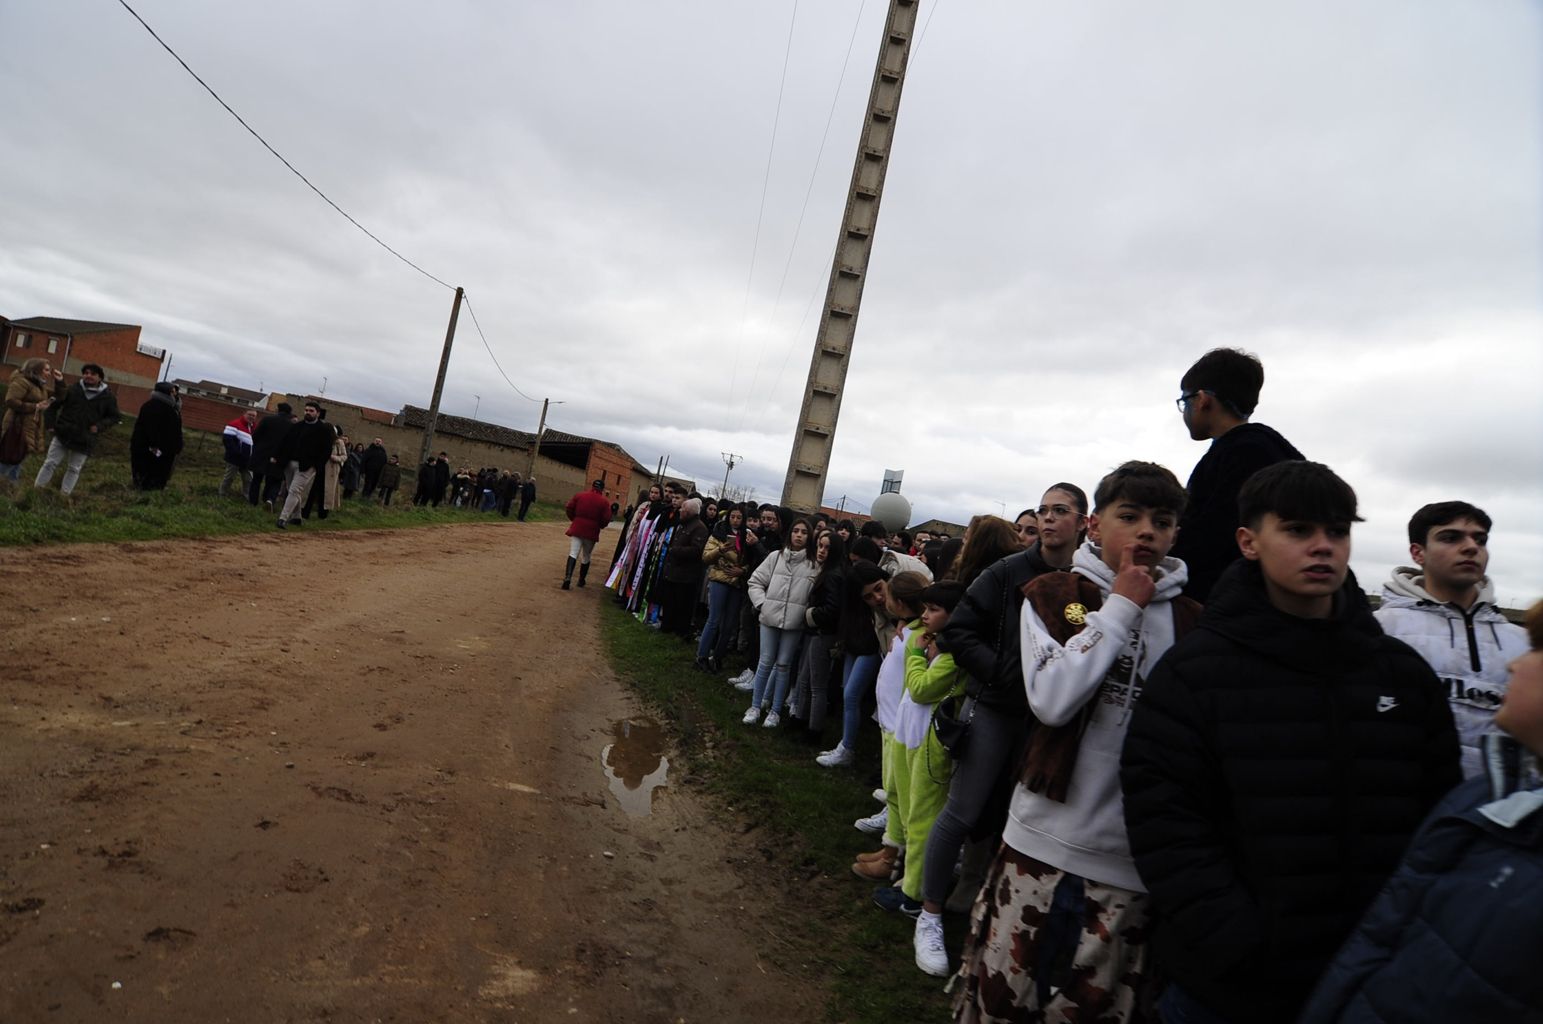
x: 864, y: 825
x: 928, y: 970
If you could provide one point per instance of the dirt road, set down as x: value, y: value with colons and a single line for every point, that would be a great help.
x: 349, y: 776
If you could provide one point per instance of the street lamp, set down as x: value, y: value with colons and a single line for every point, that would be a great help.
x: 476, y: 408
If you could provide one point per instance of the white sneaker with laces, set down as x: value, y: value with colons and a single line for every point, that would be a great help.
x: 752, y: 716
x: 839, y: 757
x: 881, y: 796
x: 772, y: 721
x: 874, y: 824
x: 744, y: 677
x: 931, y: 956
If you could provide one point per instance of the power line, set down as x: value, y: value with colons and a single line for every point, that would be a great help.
x: 467, y: 299
x: 755, y: 245
x: 275, y: 152
x: 798, y: 229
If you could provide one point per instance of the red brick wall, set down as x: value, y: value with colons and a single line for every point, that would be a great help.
x: 116, y: 352
x: 615, y: 467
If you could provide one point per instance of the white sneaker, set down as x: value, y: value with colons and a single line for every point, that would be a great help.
x: 746, y: 685
x: 744, y: 677
x: 881, y: 796
x: 931, y: 956
x: 772, y: 721
x: 874, y: 824
x: 752, y: 716
x: 840, y: 757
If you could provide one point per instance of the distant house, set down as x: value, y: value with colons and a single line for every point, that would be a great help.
x: 937, y: 526
x: 223, y: 392
x: 70, y: 344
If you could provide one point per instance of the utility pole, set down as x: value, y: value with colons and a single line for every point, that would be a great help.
x: 476, y: 408
x: 535, y: 445
x: 324, y: 385
x: 439, y: 379
x: 659, y: 473
x: 729, y: 459
x: 804, y: 485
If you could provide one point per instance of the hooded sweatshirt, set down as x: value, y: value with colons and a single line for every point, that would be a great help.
x: 1468, y: 650
x: 1107, y: 662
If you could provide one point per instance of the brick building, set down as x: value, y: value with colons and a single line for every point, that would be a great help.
x: 70, y: 344
x: 243, y: 397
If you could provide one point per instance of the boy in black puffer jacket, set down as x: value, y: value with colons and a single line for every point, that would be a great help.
x: 1279, y: 760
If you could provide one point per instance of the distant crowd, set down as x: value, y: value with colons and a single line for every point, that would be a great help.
x: 1158, y: 743
x: 293, y: 465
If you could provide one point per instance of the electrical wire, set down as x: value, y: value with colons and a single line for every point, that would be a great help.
x: 798, y: 229
x: 760, y: 215
x: 276, y: 153
x: 466, y: 299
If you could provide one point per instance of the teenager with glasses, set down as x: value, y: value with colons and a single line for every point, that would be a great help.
x: 1217, y: 396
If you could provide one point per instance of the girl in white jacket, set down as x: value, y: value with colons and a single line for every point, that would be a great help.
x: 779, y: 592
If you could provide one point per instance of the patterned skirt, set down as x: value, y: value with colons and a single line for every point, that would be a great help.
x: 1048, y: 946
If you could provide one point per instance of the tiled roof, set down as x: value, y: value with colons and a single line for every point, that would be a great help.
x: 57, y: 325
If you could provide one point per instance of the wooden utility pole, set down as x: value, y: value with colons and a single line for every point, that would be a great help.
x: 729, y: 458
x: 439, y: 380
x: 804, y: 486
x: 535, y: 445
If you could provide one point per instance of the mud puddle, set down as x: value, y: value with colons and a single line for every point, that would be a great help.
x: 635, y: 763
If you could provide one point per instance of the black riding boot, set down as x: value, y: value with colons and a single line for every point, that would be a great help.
x: 583, y: 573
x: 568, y: 576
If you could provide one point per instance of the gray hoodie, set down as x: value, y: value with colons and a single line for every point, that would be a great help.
x: 1469, y: 650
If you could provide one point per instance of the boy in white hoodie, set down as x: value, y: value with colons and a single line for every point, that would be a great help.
x: 1060, y: 925
x: 1445, y: 609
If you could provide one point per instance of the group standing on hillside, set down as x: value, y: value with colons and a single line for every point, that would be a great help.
x: 1159, y: 744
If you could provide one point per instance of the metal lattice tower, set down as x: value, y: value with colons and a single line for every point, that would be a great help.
x: 816, y: 435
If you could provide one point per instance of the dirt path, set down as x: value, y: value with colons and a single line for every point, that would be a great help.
x: 350, y: 776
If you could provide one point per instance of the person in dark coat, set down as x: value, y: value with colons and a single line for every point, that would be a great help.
x: 1455, y: 935
x: 1217, y: 396
x: 683, y: 569
x: 441, y: 479
x: 267, y: 469
x: 527, y: 495
x: 157, y: 439
x: 371, y: 463
x: 307, y: 447
x: 389, y: 480
x: 78, y: 416
x: 1279, y: 759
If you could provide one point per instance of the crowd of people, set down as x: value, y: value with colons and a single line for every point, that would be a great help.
x: 290, y: 464
x: 1158, y: 743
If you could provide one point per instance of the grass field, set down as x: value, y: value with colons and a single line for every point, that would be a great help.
x: 107, y: 507
x: 800, y: 815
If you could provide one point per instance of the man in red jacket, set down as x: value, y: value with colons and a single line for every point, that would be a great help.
x: 589, y: 512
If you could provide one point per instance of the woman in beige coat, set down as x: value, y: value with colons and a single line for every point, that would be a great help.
x: 333, y: 499
x: 27, y: 396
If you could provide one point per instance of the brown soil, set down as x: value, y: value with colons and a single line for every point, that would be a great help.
x: 348, y: 776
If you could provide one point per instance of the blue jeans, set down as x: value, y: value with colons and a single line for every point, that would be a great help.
x: 10, y: 471
x: 722, y: 611
x: 778, y: 649
x: 858, y: 674
x: 1177, y: 1006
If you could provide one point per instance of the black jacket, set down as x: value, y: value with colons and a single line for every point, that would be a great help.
x: 982, y: 632
x: 1274, y: 771
x: 268, y: 439
x: 1207, y: 541
x: 158, y: 426
x: 374, y: 460
x: 79, y: 412
x: 825, y: 600
x: 309, y: 444
x: 683, y: 558
x: 855, y: 625
x: 528, y: 491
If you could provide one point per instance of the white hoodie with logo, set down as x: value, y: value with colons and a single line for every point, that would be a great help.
x: 1107, y: 662
x: 1469, y: 650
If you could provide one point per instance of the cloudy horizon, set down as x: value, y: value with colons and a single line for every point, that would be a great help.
x: 1079, y: 203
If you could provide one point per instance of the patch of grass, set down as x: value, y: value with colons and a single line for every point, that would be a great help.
x: 107, y: 507
x: 800, y: 813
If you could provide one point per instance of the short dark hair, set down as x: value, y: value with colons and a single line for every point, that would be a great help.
x: 313, y: 405
x: 874, y: 528
x: 1440, y: 514
x: 865, y: 548
x: 1306, y: 491
x: 1232, y: 375
x: 94, y: 368
x: 944, y: 593
x: 905, y: 537
x: 1078, y: 494
x: 1141, y: 483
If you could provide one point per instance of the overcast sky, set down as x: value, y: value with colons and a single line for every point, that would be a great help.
x: 1082, y: 199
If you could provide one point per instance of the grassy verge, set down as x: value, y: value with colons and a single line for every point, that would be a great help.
x: 106, y: 506
x: 801, y: 815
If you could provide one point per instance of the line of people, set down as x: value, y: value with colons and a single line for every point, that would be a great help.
x: 1168, y: 747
